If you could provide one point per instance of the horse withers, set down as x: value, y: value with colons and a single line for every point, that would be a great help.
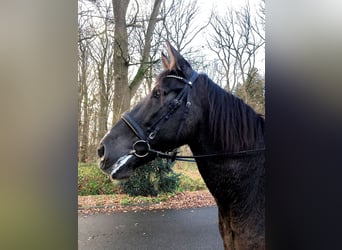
x: 225, y: 135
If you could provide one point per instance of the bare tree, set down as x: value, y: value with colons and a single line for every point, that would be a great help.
x: 235, y: 42
x: 261, y: 20
x: 182, y: 23
x: 104, y: 86
x: 95, y: 73
x: 83, y: 85
x: 102, y: 55
x: 123, y: 89
x: 83, y: 124
x: 179, y: 22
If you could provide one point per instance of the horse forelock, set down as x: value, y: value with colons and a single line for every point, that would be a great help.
x: 162, y: 75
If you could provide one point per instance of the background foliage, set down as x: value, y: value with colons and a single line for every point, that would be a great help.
x: 91, y: 181
x: 151, y: 179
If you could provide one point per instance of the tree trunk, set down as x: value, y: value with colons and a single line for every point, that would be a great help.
x: 123, y: 91
x: 85, y: 127
x: 121, y: 97
x: 79, y: 116
x: 144, y: 63
x: 83, y: 105
x: 103, y: 110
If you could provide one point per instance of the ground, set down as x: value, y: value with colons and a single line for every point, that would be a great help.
x: 119, y: 203
x: 192, y: 180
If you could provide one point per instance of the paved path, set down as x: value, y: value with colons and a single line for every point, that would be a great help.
x: 160, y: 229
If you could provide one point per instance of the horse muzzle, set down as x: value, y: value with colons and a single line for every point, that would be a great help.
x: 118, y: 167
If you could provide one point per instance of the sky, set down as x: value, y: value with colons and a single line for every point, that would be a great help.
x: 205, y: 7
x: 222, y: 5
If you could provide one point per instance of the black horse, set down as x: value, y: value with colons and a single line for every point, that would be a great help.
x: 225, y: 135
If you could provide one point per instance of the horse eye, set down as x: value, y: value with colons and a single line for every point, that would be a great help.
x: 156, y: 93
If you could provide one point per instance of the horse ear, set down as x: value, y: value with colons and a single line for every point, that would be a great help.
x: 165, y: 62
x: 171, y: 50
x: 178, y: 62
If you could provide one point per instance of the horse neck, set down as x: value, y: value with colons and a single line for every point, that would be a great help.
x: 235, y: 183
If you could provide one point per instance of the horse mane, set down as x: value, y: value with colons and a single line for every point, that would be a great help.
x: 233, y: 124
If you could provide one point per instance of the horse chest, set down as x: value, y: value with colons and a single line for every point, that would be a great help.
x: 225, y: 182
x: 241, y: 225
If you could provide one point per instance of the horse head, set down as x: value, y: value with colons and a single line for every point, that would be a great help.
x: 162, y: 121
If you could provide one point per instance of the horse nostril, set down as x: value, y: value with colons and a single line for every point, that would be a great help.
x: 101, y: 151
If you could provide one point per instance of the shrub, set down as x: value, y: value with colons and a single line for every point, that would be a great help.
x: 151, y: 179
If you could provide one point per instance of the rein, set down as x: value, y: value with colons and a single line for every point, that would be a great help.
x: 174, y: 157
x: 142, y: 148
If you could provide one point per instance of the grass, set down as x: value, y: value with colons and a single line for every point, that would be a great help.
x: 91, y: 181
x: 190, y: 179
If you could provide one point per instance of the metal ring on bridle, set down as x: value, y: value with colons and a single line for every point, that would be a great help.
x: 141, y: 152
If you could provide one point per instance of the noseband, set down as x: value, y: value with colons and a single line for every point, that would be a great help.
x: 142, y: 148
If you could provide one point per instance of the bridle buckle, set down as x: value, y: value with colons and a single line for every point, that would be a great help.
x: 152, y: 135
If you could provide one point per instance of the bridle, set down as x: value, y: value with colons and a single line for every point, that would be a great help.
x: 142, y: 148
